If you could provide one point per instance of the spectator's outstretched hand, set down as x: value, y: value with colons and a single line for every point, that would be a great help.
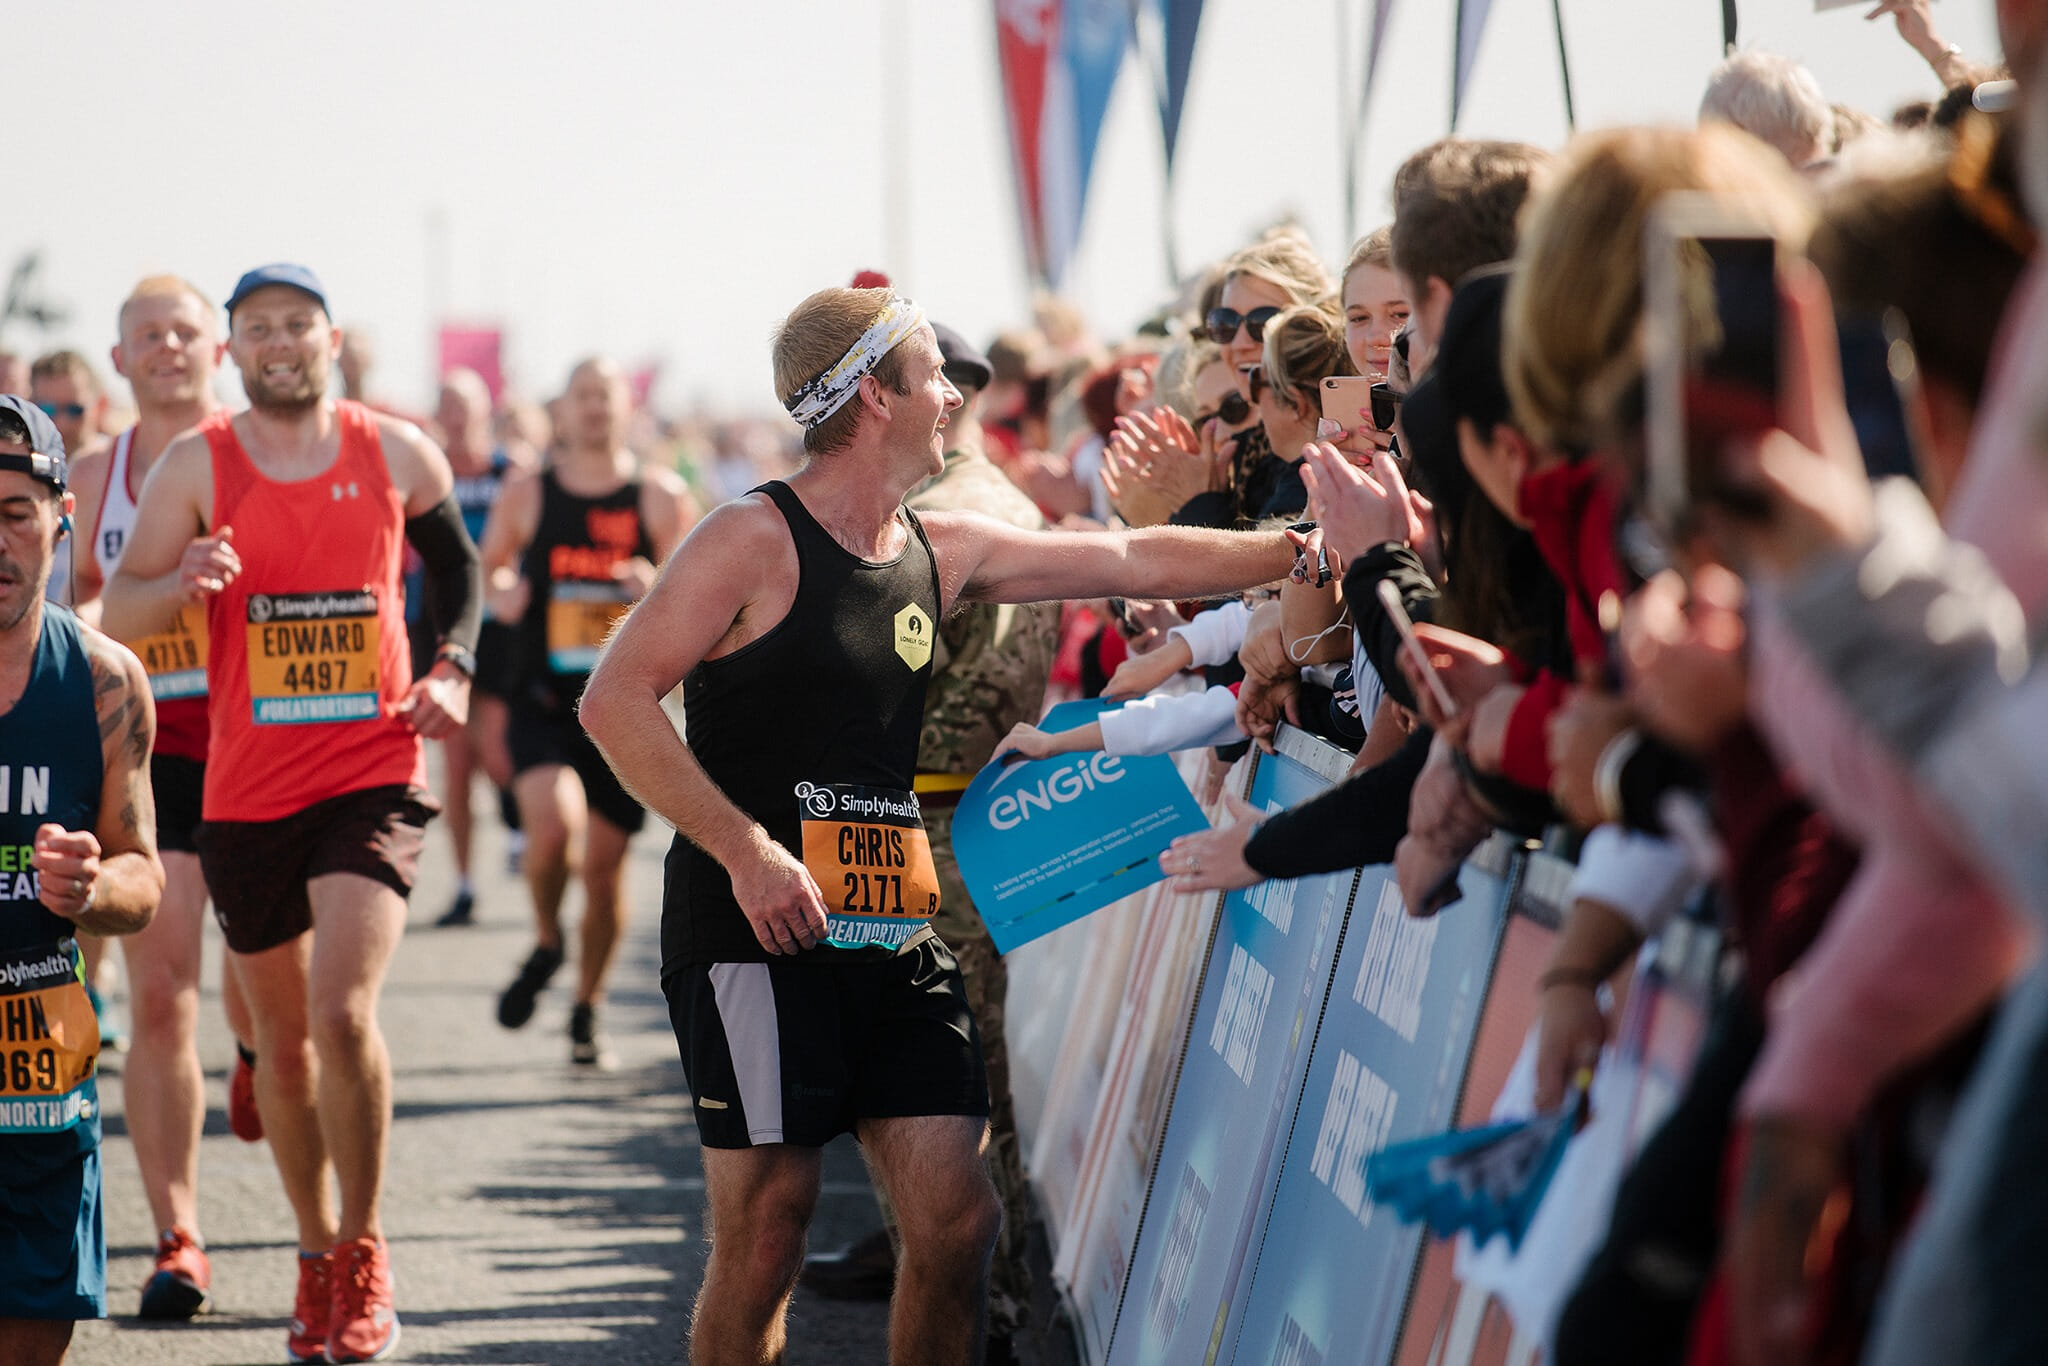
x: 1468, y: 667
x: 1213, y: 860
x: 1578, y: 733
x: 1681, y: 646
x: 1357, y: 509
x: 1571, y: 1029
x: 1444, y: 825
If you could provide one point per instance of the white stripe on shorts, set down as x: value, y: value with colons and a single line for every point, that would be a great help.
x: 746, y: 1007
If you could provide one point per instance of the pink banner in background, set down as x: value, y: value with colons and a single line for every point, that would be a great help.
x: 475, y: 348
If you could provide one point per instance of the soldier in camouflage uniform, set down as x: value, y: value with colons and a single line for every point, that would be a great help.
x: 989, y: 670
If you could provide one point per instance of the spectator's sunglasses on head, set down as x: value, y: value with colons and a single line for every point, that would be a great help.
x: 1233, y: 410
x: 1224, y: 322
x: 70, y: 410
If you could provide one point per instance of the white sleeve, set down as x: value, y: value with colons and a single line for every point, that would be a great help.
x: 1161, y: 724
x: 1365, y: 681
x: 1215, y: 637
x: 1645, y: 878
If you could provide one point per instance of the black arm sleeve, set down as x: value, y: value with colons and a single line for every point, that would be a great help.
x: 1403, y: 567
x: 1354, y: 824
x: 454, y: 574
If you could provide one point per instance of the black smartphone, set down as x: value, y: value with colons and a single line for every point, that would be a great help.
x: 1386, y: 405
x: 1711, y: 329
x: 1879, y: 374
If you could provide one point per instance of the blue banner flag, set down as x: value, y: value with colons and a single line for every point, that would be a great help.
x: 1043, y: 842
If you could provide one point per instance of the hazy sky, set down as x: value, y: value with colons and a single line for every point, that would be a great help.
x: 663, y: 179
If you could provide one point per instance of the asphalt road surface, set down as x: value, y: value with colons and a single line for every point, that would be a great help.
x: 535, y: 1214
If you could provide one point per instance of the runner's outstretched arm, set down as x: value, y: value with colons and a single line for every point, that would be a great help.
x: 708, y: 599
x: 983, y: 560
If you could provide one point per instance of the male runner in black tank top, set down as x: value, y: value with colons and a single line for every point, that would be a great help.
x: 569, y: 549
x: 802, y: 616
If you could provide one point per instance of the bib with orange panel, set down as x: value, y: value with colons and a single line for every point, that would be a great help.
x: 866, y: 848
x: 49, y: 1041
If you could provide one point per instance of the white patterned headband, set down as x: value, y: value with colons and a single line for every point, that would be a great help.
x: 826, y: 393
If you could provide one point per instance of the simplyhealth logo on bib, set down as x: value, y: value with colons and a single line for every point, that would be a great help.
x: 1042, y: 843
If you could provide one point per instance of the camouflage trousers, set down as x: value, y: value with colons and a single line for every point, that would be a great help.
x: 988, y: 980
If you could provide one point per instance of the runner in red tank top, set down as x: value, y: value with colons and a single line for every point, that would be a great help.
x: 168, y: 351
x: 286, y: 521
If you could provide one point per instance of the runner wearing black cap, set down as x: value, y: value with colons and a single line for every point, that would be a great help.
x: 77, y: 852
x: 803, y: 618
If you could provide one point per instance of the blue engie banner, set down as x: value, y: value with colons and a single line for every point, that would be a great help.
x: 1262, y: 990
x: 1388, y: 1063
x: 1042, y: 843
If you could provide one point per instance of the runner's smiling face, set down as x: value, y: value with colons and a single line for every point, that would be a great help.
x: 922, y: 414
x: 284, y: 345
x: 168, y: 349
x: 29, y: 510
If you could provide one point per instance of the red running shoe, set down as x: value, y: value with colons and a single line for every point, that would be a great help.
x: 177, y: 1288
x: 363, y: 1324
x: 307, y: 1340
x: 245, y: 1121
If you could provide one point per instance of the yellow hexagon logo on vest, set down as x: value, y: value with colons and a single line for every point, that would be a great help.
x: 914, y: 636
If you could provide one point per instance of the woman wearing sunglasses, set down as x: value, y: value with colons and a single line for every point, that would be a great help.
x: 1278, y: 272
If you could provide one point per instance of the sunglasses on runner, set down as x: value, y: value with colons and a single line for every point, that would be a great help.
x: 1233, y: 410
x: 70, y: 410
x: 1224, y: 322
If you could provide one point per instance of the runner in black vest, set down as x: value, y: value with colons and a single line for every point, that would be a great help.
x: 77, y: 852
x: 585, y: 534
x: 803, y: 617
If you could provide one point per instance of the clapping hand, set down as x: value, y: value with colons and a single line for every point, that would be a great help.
x: 1152, y: 465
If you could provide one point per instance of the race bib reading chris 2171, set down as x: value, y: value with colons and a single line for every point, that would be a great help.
x: 867, y: 850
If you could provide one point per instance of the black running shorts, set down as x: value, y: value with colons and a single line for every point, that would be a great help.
x: 800, y: 1049
x: 257, y: 870
x: 537, y: 736
x: 177, y: 784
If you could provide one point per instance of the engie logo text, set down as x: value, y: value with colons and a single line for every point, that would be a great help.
x: 1011, y: 809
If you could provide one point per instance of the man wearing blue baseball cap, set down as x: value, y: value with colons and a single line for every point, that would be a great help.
x: 286, y: 521
x: 77, y: 852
